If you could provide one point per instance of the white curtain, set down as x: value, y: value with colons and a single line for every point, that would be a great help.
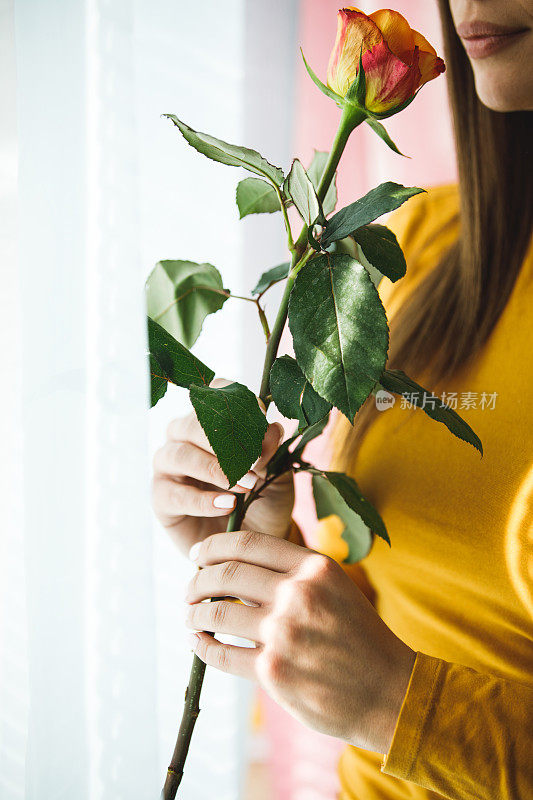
x: 13, y: 629
x: 93, y: 660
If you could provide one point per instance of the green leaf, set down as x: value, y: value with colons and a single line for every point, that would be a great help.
x: 329, y: 501
x: 270, y: 277
x: 394, y: 380
x: 310, y: 433
x: 381, y: 249
x: 283, y: 459
x: 230, y: 154
x: 340, y: 330
x: 384, y: 198
x: 256, y: 196
x: 323, y: 88
x: 178, y: 364
x: 158, y: 382
x: 353, y: 497
x: 315, y: 171
x: 299, y: 188
x: 293, y: 394
x: 234, y: 425
x: 312, y: 240
x: 179, y: 296
x: 378, y: 128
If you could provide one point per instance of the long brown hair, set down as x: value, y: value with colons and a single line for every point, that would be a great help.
x: 450, y: 314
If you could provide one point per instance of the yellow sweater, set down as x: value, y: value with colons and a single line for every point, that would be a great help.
x: 457, y: 583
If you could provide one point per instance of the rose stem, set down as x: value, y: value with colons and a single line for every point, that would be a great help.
x: 192, y: 695
x: 301, y: 254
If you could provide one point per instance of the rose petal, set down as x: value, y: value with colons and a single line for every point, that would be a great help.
x: 397, y: 33
x: 397, y: 59
x: 422, y: 43
x: 354, y: 30
x: 389, y: 81
x: 430, y: 64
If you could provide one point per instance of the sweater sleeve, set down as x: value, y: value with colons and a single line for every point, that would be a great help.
x: 464, y: 734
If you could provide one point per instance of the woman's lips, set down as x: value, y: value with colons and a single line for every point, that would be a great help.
x: 481, y: 39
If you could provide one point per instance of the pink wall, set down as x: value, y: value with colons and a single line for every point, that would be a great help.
x: 303, y: 763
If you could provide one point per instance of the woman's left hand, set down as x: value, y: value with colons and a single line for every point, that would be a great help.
x: 322, y: 651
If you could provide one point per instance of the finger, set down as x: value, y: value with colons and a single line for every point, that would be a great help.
x: 233, y: 579
x: 172, y: 499
x: 225, y: 657
x: 188, y: 429
x: 222, y: 616
x: 271, y: 441
x: 260, y: 549
x: 183, y: 458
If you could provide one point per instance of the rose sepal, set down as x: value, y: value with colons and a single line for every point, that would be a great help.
x: 353, y: 111
x: 392, y: 111
x: 356, y: 94
x: 322, y: 86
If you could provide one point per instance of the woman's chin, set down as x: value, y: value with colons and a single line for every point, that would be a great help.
x: 494, y: 94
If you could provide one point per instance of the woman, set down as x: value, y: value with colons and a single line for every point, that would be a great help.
x: 420, y: 657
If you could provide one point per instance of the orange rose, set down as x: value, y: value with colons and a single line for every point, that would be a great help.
x: 396, y: 60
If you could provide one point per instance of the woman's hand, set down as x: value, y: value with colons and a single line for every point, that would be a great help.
x: 192, y: 497
x: 322, y: 652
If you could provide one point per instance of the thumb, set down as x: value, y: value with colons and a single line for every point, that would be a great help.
x: 272, y: 440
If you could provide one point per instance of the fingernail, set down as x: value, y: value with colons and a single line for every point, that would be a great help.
x: 193, y: 640
x: 248, y: 481
x: 193, y: 552
x: 224, y: 501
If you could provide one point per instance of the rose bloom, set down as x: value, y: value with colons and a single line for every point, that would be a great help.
x: 397, y: 60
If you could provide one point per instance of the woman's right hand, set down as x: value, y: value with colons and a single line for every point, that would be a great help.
x: 191, y: 494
